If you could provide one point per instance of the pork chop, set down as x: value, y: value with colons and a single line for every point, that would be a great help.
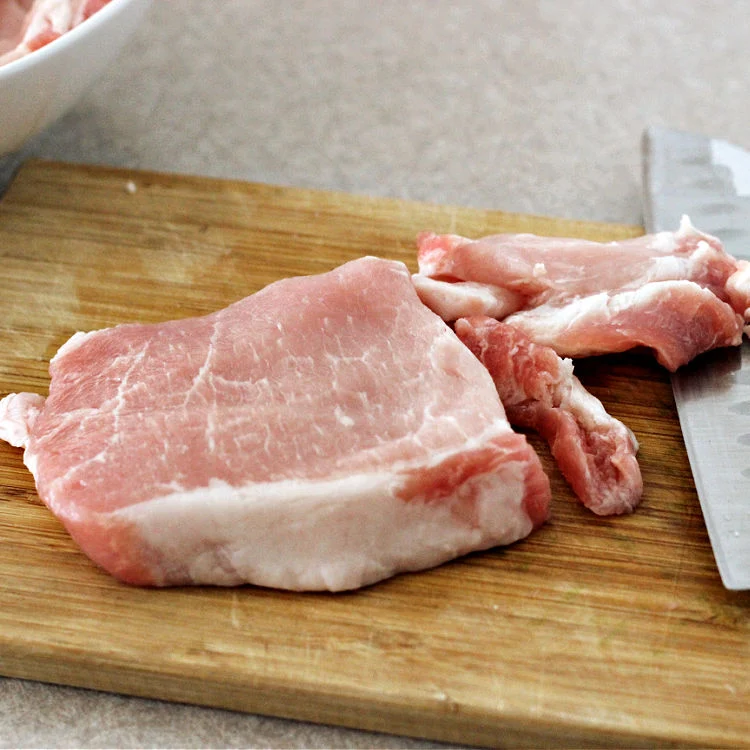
x: 325, y: 433
x: 596, y: 453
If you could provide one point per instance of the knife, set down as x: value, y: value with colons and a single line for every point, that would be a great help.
x: 709, y: 180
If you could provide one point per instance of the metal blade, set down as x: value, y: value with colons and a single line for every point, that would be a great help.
x: 709, y: 180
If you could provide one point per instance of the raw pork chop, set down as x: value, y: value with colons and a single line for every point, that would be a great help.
x: 595, y: 452
x: 324, y: 433
x: 677, y: 293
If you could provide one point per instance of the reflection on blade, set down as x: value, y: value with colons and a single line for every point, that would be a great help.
x: 713, y: 401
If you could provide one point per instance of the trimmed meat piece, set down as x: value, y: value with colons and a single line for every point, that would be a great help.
x: 738, y: 289
x: 18, y: 412
x: 551, y: 269
x: 461, y: 298
x: 678, y: 293
x: 325, y: 433
x: 595, y: 452
x: 677, y: 320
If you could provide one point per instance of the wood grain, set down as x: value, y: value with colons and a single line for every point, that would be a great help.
x: 593, y: 632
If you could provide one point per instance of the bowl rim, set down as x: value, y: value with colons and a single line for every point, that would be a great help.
x: 39, y: 56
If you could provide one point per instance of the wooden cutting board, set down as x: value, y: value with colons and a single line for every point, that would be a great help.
x: 591, y: 632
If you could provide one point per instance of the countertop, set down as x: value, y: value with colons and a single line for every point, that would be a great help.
x: 534, y: 107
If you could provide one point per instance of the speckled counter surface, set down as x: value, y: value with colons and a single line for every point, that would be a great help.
x: 534, y: 106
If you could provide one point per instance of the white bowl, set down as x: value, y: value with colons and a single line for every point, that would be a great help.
x: 38, y: 88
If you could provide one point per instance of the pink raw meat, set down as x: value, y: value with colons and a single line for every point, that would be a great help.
x: 678, y: 320
x: 461, y: 298
x: 678, y: 293
x: 324, y: 433
x: 595, y: 452
x: 28, y: 25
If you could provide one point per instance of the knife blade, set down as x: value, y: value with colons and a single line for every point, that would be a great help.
x: 709, y: 180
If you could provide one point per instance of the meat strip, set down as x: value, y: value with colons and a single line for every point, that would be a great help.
x: 677, y: 293
x: 595, y: 452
